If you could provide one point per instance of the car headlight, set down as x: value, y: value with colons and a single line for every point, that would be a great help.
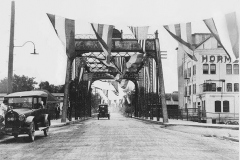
x: 21, y: 117
x: 1, y: 118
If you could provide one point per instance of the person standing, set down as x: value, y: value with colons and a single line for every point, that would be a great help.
x: 57, y: 111
x: 4, y: 107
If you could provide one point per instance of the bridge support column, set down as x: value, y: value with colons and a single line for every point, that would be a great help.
x: 66, y: 90
x: 161, y: 80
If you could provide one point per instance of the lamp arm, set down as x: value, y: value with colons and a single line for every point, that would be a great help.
x: 25, y: 43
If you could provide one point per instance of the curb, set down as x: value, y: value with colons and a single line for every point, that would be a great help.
x: 68, y: 123
x: 230, y: 138
x: 191, y: 125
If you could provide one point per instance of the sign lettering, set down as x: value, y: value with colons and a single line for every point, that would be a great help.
x: 215, y: 59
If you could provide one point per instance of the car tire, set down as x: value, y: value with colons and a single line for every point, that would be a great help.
x: 32, y: 132
x: 45, y: 131
x: 108, y: 116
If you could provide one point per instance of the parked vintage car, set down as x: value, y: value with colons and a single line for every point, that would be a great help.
x: 28, y: 112
x: 103, y: 111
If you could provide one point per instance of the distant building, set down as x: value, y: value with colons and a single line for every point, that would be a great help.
x: 210, y: 84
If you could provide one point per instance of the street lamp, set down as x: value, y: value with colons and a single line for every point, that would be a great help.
x: 34, y: 51
x: 10, y: 64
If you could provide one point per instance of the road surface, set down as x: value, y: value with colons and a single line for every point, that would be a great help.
x: 117, y: 138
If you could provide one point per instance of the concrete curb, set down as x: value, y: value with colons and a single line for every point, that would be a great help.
x: 192, y: 125
x: 68, y: 123
x: 230, y: 138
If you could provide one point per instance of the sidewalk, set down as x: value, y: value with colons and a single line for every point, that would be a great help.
x: 174, y: 122
x: 230, y: 132
x: 58, y: 123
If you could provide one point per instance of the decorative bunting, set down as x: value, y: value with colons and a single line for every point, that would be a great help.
x: 226, y: 31
x: 104, y: 33
x: 140, y: 33
x: 183, y: 34
x: 65, y: 29
x: 134, y: 61
x: 80, y: 74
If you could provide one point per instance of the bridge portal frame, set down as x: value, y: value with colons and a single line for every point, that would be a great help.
x: 83, y: 46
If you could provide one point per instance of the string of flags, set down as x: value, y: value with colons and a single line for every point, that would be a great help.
x: 224, y: 28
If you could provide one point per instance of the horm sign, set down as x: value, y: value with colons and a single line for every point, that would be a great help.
x: 215, y: 59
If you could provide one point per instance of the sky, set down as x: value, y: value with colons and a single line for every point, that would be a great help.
x: 32, y: 24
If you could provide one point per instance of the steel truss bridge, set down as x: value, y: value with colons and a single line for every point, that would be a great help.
x: 149, y: 90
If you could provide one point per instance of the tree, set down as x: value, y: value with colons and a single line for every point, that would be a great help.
x: 51, y: 88
x: 3, y: 85
x: 20, y: 83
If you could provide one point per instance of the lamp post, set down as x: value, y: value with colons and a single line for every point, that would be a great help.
x: 10, y: 66
x: 11, y: 47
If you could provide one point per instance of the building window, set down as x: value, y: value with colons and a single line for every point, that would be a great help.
x: 229, y: 87
x: 213, y: 85
x: 225, y: 106
x: 213, y: 68
x: 217, y: 106
x: 236, y: 87
x: 190, y: 90
x: 194, y: 69
x: 194, y: 88
x: 189, y: 72
x: 186, y: 91
x: 229, y: 69
x: 235, y: 69
x: 205, y: 68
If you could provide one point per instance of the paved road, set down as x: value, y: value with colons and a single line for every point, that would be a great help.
x: 117, y: 138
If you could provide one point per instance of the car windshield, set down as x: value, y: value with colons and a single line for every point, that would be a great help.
x: 25, y: 102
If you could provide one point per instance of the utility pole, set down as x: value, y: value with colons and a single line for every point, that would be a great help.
x: 11, y: 46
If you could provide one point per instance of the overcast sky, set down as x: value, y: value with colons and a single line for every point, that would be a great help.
x: 32, y: 24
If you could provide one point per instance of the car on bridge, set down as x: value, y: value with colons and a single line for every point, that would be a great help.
x: 103, y: 111
x: 28, y: 112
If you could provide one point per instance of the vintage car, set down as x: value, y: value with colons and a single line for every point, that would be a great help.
x: 28, y: 112
x: 103, y: 111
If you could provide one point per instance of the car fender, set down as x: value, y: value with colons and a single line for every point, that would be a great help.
x: 29, y: 119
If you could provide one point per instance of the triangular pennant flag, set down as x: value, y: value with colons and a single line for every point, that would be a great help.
x: 140, y: 33
x: 226, y: 28
x: 120, y: 63
x: 134, y: 61
x: 148, y: 77
x: 110, y: 65
x: 183, y: 34
x: 80, y: 74
x: 65, y: 29
x: 104, y: 33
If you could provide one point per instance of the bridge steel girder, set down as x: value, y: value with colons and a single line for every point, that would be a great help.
x: 83, y: 46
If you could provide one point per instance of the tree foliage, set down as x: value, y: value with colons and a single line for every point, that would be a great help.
x: 51, y: 88
x: 19, y: 83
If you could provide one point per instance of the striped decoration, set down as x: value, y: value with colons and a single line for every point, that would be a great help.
x: 140, y: 33
x: 120, y: 63
x: 104, y: 33
x: 225, y: 29
x: 65, y: 29
x: 183, y: 34
x: 154, y: 77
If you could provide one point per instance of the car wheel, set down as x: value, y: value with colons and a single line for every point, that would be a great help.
x: 32, y: 132
x: 45, y: 131
x: 108, y: 116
